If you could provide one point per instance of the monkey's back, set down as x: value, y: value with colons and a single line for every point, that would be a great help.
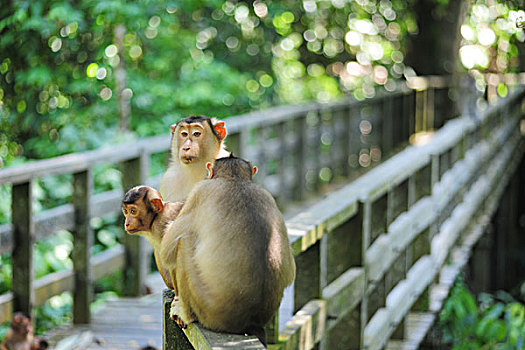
x: 240, y: 249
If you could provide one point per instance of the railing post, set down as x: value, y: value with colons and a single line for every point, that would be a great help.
x: 233, y: 143
x: 315, y: 148
x: 22, y: 254
x: 134, y: 172
x: 343, y: 251
x: 173, y: 338
x: 284, y: 193
x: 308, y: 277
x: 387, y: 130
x: 83, y: 241
x: 299, y: 154
x: 344, y: 141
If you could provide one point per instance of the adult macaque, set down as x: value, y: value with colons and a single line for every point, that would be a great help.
x: 146, y: 214
x: 20, y: 335
x: 196, y: 140
x: 230, y: 250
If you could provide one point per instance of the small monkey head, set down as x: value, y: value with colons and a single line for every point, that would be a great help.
x: 21, y: 324
x: 231, y: 167
x: 140, y: 206
x: 196, y: 136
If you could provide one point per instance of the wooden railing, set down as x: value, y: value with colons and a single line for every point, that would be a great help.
x: 296, y: 148
x: 384, y: 250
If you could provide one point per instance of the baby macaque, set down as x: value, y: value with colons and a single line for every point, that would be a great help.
x: 20, y: 335
x: 196, y: 140
x: 146, y: 214
x: 230, y: 250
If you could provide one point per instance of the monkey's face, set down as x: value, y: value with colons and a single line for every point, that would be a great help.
x: 190, y: 141
x: 138, y: 218
x: 21, y: 324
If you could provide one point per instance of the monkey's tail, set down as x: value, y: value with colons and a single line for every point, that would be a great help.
x: 259, y: 332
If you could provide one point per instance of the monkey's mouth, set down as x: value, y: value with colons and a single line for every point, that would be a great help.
x: 132, y: 231
x: 187, y: 159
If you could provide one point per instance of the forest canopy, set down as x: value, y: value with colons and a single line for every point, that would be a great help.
x: 75, y: 75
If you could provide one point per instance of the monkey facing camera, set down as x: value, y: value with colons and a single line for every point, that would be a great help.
x: 230, y: 252
x: 196, y: 140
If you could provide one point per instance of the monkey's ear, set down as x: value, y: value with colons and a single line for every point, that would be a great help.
x: 173, y: 126
x: 220, y: 129
x: 210, y: 170
x: 156, y: 204
x: 254, y: 170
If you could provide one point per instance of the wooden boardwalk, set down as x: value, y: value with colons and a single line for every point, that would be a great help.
x: 123, y: 323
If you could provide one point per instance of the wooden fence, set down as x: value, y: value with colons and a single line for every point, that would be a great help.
x: 303, y: 147
x: 376, y: 259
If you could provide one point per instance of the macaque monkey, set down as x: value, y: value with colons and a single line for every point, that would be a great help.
x: 196, y: 140
x: 20, y: 335
x: 230, y: 250
x: 146, y: 214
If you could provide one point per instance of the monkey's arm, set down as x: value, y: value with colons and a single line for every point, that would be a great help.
x: 169, y: 248
x: 180, y: 227
x: 164, y: 273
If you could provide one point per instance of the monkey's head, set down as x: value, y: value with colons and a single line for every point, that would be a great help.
x: 231, y: 167
x: 140, y: 206
x: 21, y: 324
x: 195, y: 136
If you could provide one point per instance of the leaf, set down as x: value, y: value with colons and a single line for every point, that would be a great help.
x: 38, y: 76
x: 516, y: 314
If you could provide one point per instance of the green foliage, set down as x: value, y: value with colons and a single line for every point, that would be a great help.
x: 56, y: 311
x: 496, y: 322
x: 491, y: 37
x: 5, y: 273
x: 52, y: 254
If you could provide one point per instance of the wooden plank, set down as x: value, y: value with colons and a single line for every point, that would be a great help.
x: 418, y: 325
x: 379, y: 258
x: 307, y: 277
x: 345, y: 293
x: 6, y: 307
x: 399, y: 301
x: 306, y: 328
x: 22, y: 255
x: 78, y: 162
x: 53, y: 284
x: 108, y: 262
x: 377, y: 330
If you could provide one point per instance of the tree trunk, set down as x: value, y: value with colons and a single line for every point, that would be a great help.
x: 434, y: 50
x: 120, y: 77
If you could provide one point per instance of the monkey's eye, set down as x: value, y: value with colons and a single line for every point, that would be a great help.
x: 133, y: 211
x: 125, y: 211
x: 197, y: 133
x: 184, y: 133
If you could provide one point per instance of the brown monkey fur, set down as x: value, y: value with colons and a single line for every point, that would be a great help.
x: 146, y: 214
x: 230, y: 250
x: 196, y: 141
x: 19, y: 335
